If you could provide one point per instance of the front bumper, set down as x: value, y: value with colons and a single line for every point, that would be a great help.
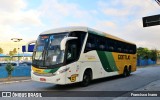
x: 55, y: 79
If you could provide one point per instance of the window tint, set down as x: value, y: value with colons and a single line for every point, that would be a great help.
x: 72, y: 51
x: 74, y: 47
x: 95, y: 42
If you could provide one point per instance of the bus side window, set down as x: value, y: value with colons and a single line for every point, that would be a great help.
x: 88, y: 46
x: 102, y: 47
x: 71, y: 51
x: 119, y: 49
x: 111, y: 45
x: 111, y: 48
x: 132, y: 49
x: 91, y: 43
x: 75, y: 46
x: 101, y: 43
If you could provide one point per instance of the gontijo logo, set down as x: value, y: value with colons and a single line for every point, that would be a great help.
x: 126, y: 57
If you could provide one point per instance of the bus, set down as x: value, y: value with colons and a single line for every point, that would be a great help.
x: 80, y: 54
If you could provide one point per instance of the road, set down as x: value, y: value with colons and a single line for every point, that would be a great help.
x: 137, y: 81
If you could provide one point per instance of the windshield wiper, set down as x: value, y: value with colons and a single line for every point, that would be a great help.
x: 41, y: 56
x: 40, y: 59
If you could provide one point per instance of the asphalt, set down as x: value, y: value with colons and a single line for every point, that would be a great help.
x: 144, y: 79
x: 154, y: 86
x: 18, y: 79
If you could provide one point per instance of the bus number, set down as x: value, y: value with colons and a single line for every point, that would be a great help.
x: 73, y: 77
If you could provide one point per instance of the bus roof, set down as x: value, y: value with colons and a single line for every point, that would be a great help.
x: 66, y: 29
x: 84, y: 29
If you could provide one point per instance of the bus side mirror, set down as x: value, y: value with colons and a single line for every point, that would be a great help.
x: 64, y: 41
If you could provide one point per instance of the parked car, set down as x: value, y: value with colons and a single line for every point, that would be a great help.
x: 14, y: 64
x: 26, y: 63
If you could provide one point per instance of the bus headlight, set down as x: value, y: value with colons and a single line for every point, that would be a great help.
x: 62, y: 71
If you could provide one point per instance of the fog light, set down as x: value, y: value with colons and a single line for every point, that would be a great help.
x: 57, y: 79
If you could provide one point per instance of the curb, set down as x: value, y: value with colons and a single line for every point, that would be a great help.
x: 15, y: 81
x: 154, y: 65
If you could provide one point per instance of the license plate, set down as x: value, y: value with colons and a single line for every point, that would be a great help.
x: 42, y: 79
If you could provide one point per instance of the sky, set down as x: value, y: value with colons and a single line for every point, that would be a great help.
x: 26, y: 19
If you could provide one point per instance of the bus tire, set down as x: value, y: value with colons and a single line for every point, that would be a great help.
x: 87, y: 77
x: 129, y: 71
x: 125, y: 72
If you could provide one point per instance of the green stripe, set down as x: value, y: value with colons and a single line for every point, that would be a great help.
x: 111, y: 61
x: 51, y: 70
x: 107, y: 61
x: 103, y: 58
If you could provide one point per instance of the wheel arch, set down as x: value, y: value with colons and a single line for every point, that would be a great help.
x: 87, y: 69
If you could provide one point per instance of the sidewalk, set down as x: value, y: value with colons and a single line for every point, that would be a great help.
x: 14, y: 79
x: 154, y: 65
x: 153, y: 86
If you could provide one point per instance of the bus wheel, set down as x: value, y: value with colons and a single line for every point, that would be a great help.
x: 125, y: 72
x: 129, y: 71
x: 86, y: 78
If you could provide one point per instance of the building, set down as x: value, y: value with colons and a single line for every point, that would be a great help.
x: 9, y: 46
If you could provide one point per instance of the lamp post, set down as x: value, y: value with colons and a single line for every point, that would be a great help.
x: 17, y: 40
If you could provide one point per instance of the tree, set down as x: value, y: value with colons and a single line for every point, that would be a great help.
x: 11, y: 53
x: 1, y: 50
x: 9, y: 69
x: 153, y: 55
x: 158, y: 54
x: 143, y: 53
x: 14, y: 51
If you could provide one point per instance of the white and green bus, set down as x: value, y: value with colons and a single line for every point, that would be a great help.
x: 80, y: 54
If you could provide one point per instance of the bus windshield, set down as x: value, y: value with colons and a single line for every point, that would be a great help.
x: 47, y: 51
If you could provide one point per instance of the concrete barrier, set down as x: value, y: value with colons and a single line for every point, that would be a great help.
x: 145, y: 62
x: 17, y: 72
